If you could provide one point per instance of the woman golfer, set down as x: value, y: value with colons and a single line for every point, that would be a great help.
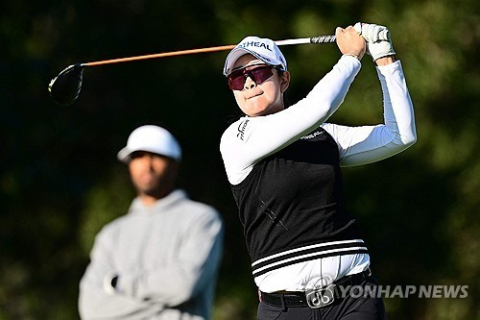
x: 308, y: 258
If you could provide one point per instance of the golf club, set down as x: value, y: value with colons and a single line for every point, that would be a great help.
x: 66, y: 86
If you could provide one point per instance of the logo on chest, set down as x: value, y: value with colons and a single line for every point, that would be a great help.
x: 312, y: 135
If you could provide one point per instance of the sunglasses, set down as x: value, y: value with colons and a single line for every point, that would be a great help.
x: 236, y: 79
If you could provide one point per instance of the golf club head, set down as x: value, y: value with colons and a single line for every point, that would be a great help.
x: 65, y: 88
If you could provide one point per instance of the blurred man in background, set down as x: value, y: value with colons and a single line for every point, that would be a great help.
x: 160, y: 260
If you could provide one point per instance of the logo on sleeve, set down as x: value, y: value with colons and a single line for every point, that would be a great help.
x: 241, y: 129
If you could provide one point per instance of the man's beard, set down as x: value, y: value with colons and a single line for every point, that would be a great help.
x: 157, y: 190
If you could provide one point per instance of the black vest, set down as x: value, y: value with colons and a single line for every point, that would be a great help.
x: 292, y: 208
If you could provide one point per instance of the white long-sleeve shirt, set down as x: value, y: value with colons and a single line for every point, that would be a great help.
x: 251, y: 139
x: 166, y: 256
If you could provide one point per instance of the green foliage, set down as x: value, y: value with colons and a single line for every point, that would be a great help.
x: 61, y: 182
x: 104, y: 203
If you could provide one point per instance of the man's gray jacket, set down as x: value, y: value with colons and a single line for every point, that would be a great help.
x: 166, y: 258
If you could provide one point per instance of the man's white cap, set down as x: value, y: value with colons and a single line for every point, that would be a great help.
x: 261, y: 48
x: 152, y: 139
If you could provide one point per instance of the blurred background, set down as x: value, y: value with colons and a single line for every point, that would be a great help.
x: 60, y: 181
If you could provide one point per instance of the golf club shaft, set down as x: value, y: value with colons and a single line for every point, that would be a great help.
x: 315, y: 40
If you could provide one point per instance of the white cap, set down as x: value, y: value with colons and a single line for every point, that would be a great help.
x: 152, y: 139
x: 261, y: 48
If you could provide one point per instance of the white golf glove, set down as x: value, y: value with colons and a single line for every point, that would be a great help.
x: 379, y: 42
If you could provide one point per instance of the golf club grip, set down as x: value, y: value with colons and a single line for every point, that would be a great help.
x: 312, y: 40
x: 323, y: 39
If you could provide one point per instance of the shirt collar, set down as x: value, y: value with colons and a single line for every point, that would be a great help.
x: 137, y: 205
